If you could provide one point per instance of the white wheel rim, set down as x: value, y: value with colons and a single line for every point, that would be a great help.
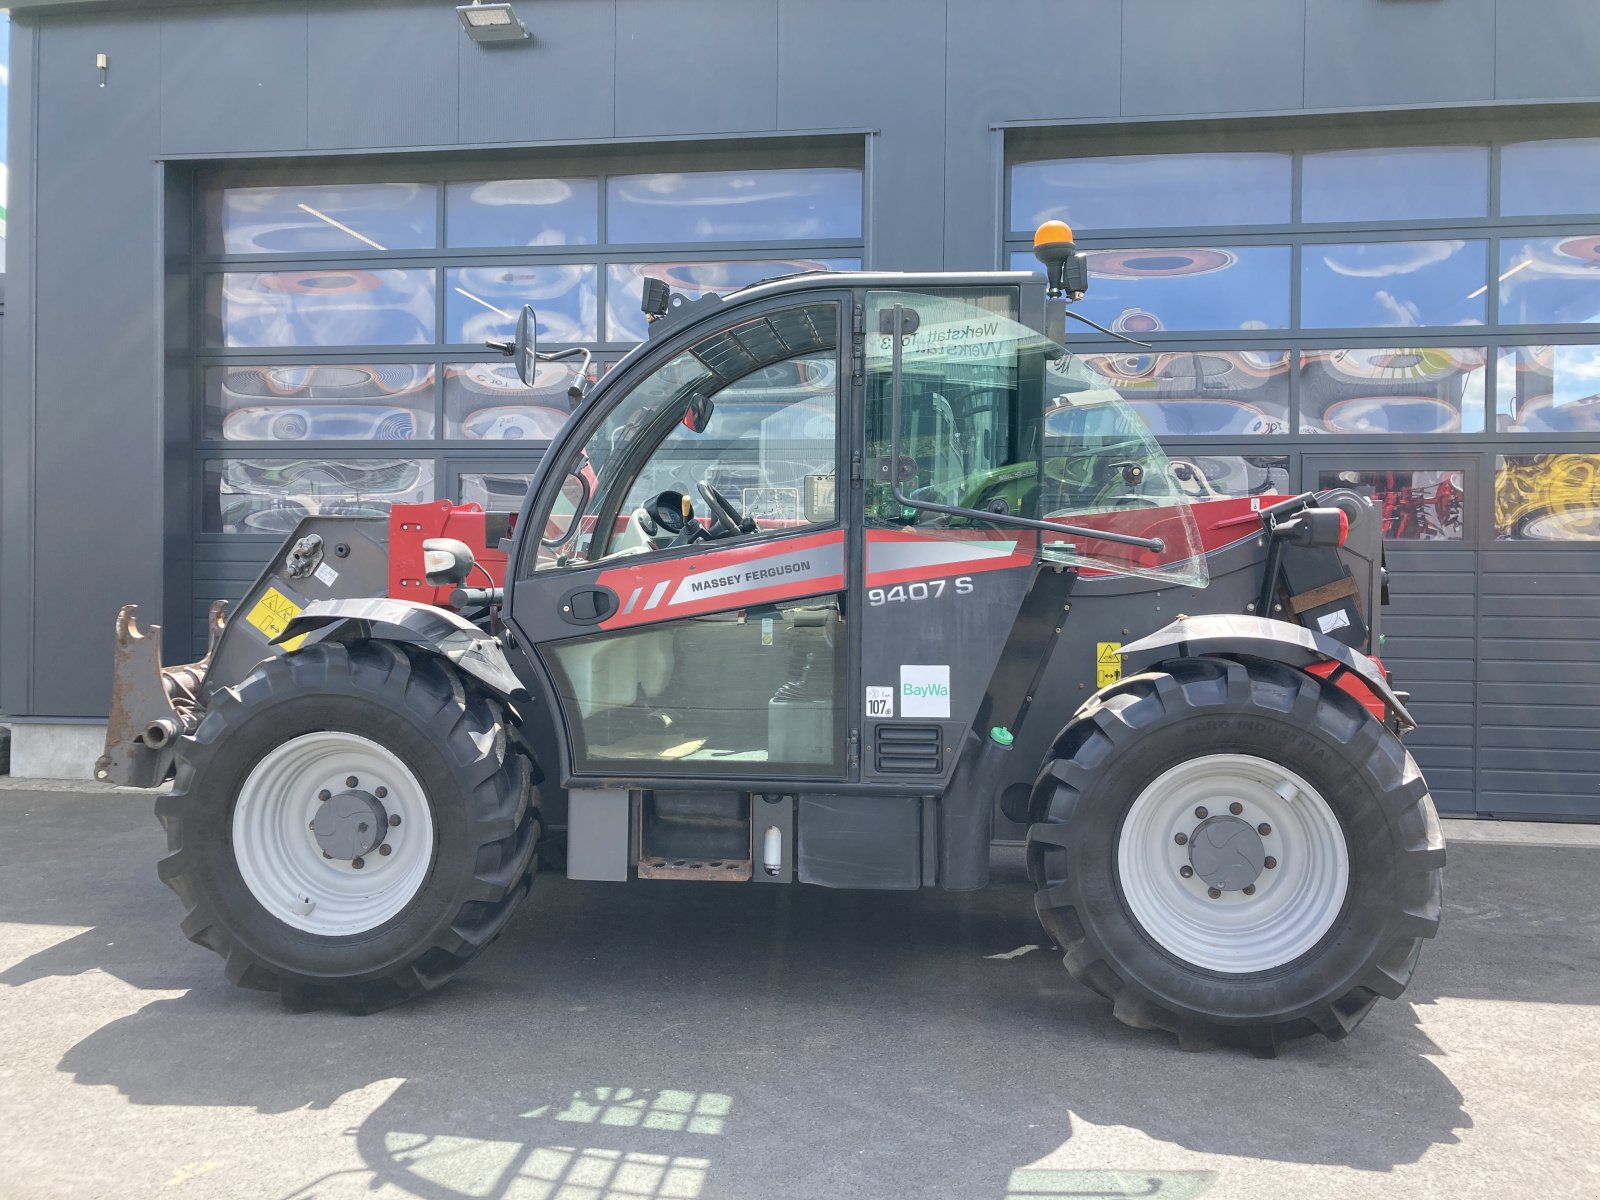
x: 1293, y: 904
x: 283, y: 863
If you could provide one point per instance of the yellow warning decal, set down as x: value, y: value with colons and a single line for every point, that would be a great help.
x: 272, y: 615
x: 1107, y: 663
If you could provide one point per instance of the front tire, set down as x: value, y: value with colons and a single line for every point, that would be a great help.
x: 1235, y: 852
x: 356, y: 894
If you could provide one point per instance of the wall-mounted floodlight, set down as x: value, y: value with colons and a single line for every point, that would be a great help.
x: 491, y: 22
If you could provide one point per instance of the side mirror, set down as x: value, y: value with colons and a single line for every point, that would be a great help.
x: 446, y: 561
x: 698, y: 414
x: 525, y: 349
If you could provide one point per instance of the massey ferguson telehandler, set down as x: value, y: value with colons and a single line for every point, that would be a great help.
x: 831, y: 581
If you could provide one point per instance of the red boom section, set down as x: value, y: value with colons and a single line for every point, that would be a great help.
x: 412, y: 524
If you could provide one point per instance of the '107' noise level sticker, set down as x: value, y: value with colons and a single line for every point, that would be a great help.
x: 880, y: 702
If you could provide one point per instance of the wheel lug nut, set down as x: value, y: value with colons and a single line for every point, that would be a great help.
x: 1186, y: 870
x: 384, y: 850
x: 1214, y: 893
x: 1249, y: 889
x: 1270, y: 863
x: 351, y: 781
x: 1236, y: 808
x: 1182, y: 839
x: 1201, y: 813
x: 358, y: 863
x: 394, y: 819
x: 1263, y: 829
x: 380, y: 793
x: 324, y: 795
x: 361, y: 828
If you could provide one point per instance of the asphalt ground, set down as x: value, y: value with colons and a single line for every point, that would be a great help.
x: 705, y: 1042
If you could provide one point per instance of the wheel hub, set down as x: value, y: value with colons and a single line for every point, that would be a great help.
x: 350, y: 824
x: 1227, y: 853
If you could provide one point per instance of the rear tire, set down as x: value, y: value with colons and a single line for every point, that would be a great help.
x: 456, y: 819
x: 1344, y: 885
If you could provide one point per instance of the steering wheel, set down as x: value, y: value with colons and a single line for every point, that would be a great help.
x: 731, y: 521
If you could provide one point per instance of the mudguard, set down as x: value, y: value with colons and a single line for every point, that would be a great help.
x: 1228, y: 634
x: 445, y: 633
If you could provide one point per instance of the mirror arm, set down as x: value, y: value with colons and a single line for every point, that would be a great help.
x: 1126, y: 539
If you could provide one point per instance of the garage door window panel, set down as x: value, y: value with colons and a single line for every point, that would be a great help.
x: 1139, y: 290
x: 1202, y: 393
x: 790, y: 205
x: 1395, y: 183
x: 1549, y: 178
x: 1550, y: 389
x: 1417, y: 391
x: 272, y: 495
x: 1547, y: 497
x: 1393, y: 284
x: 1550, y: 281
x: 522, y: 212
x: 486, y: 402
x: 484, y: 302
x: 340, y: 218
x: 1418, y: 504
x: 330, y: 402
x: 1153, y: 191
x: 357, y: 306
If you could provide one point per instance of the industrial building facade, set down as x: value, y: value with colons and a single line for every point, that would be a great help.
x: 256, y: 248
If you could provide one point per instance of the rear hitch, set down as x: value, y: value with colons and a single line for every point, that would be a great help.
x: 151, y: 706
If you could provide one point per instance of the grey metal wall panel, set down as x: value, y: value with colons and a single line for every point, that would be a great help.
x: 97, y: 484
x: 1539, y: 699
x: 1211, y: 56
x: 825, y: 81
x: 256, y: 57
x: 560, y: 86
x: 1545, y: 48
x: 696, y: 66
x: 382, y: 75
x: 992, y: 80
x: 1429, y: 629
x: 17, y: 391
x: 1361, y: 53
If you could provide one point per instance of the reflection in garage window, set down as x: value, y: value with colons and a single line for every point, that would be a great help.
x: 809, y: 204
x: 484, y: 302
x: 1550, y: 280
x: 1418, y: 506
x: 1223, y: 393
x: 625, y: 284
x: 1152, y: 191
x: 1139, y: 291
x: 272, y: 495
x: 1395, y: 183
x: 1547, y: 497
x: 487, y: 402
x: 1548, y: 389
x: 495, y: 491
x: 1392, y: 284
x: 1433, y: 389
x: 334, y: 402
x: 1216, y: 476
x: 354, y: 307
x: 522, y: 212
x: 337, y: 218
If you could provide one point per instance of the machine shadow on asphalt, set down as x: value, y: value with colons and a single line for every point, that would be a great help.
x: 718, y: 1041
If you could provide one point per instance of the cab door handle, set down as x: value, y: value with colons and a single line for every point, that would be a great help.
x: 588, y: 606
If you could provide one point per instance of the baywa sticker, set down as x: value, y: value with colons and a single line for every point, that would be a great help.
x: 880, y: 702
x: 925, y: 691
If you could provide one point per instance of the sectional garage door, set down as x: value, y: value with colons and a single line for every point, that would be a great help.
x: 1410, y: 311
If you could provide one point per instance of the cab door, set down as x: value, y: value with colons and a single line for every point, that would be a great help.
x: 685, y: 596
